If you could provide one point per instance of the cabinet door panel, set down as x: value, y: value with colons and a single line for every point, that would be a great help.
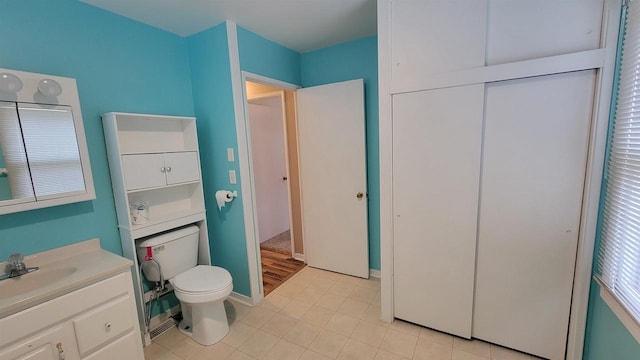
x: 39, y: 347
x: 143, y: 171
x: 436, y: 169
x: 427, y: 39
x: 522, y: 29
x: 535, y: 151
x: 182, y: 167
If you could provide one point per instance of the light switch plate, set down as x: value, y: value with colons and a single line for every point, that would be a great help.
x: 230, y: 155
x: 232, y: 176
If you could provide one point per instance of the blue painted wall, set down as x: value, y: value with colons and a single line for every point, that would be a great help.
x: 213, y: 102
x: 119, y: 65
x: 264, y: 57
x: 354, y: 60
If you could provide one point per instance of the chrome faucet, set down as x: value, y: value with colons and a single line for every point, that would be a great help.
x: 16, y: 267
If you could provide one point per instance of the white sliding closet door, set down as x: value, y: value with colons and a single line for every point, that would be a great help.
x: 535, y: 152
x: 436, y: 169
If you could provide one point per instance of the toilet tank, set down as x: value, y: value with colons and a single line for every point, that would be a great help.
x: 175, y: 251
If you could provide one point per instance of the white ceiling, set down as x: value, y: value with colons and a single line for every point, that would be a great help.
x: 301, y: 25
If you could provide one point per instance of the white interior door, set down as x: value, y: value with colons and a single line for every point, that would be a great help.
x: 436, y: 169
x: 269, y: 166
x: 331, y: 137
x: 535, y: 153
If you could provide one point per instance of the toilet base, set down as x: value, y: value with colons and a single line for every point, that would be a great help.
x: 205, y: 323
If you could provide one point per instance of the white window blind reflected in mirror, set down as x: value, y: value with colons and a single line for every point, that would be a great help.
x: 50, y: 142
x: 15, y: 182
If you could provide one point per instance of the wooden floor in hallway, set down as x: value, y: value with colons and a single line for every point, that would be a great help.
x: 277, y: 268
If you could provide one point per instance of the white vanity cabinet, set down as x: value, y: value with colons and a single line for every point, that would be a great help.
x: 154, y: 160
x: 94, y: 322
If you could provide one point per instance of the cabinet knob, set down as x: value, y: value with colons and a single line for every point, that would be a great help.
x: 359, y: 195
x: 107, y: 326
x: 163, y: 169
x: 168, y: 168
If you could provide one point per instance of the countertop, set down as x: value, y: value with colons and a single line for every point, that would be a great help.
x: 91, y: 262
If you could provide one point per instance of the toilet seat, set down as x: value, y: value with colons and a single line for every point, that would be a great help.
x: 202, y: 283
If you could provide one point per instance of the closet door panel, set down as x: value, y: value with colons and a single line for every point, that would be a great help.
x: 529, y: 29
x: 535, y: 152
x: 436, y: 167
x: 433, y: 37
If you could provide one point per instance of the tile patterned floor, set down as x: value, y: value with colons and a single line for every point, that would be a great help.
x: 319, y: 315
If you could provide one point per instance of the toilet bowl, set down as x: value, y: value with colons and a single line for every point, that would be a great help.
x: 201, y: 289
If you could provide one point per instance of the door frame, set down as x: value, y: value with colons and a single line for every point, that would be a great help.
x: 277, y: 94
x: 593, y: 174
x: 247, y: 187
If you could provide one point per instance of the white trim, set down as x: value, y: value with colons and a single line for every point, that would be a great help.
x: 269, y: 81
x: 374, y: 273
x: 619, y: 310
x: 299, y: 257
x: 263, y: 95
x: 386, y: 159
x: 248, y: 201
x: 593, y: 182
x: 583, y: 60
x: 243, y: 299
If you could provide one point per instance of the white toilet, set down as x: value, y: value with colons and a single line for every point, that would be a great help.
x: 201, y: 289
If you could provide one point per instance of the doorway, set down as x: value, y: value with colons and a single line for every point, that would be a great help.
x: 273, y: 157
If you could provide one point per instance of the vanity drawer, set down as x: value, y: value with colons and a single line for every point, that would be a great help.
x: 124, y: 348
x: 96, y: 327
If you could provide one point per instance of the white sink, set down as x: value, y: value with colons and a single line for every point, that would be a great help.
x: 34, y: 280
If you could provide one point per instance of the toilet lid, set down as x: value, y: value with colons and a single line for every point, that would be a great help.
x: 202, y: 278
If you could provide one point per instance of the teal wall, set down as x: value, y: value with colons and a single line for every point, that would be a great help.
x: 354, y: 60
x: 213, y: 102
x: 606, y: 337
x: 267, y: 58
x: 119, y: 65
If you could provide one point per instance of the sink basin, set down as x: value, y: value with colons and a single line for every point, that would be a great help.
x: 32, y: 281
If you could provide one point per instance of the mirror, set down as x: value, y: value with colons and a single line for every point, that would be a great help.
x: 17, y: 187
x: 43, y: 153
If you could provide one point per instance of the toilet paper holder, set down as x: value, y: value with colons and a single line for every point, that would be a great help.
x: 225, y: 196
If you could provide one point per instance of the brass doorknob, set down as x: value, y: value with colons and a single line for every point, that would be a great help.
x: 359, y: 195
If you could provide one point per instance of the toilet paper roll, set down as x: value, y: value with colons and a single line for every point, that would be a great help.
x: 224, y: 196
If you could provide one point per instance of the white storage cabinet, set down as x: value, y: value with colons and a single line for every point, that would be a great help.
x: 154, y: 159
x: 487, y: 131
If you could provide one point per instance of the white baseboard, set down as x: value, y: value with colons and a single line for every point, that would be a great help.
x: 242, y: 299
x: 299, y: 257
x: 374, y: 273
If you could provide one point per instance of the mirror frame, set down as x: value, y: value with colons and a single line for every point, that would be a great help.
x: 69, y: 96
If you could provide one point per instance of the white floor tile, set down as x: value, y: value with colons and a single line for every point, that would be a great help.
x: 429, y: 350
x: 259, y: 344
x: 285, y: 350
x: 475, y: 347
x: 355, y: 350
x: 328, y: 343
x: 399, y: 343
x: 302, y: 334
